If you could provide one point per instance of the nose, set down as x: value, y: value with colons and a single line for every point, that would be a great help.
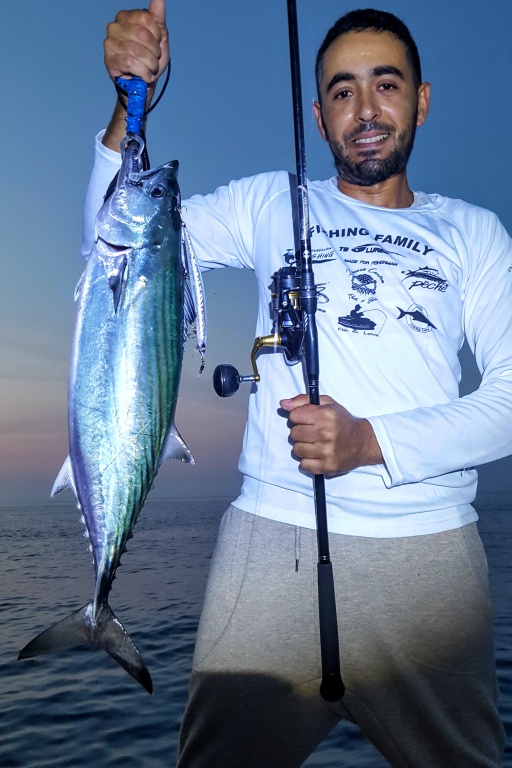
x: 367, y: 107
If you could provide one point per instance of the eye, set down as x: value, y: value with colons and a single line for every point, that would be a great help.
x: 344, y: 94
x: 388, y: 87
x: 158, y: 191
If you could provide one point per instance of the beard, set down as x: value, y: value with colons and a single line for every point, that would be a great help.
x: 371, y: 169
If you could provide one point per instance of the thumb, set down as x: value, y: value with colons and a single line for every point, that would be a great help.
x: 157, y: 9
x: 294, y: 402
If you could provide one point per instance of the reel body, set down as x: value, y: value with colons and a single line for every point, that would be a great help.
x: 287, y: 332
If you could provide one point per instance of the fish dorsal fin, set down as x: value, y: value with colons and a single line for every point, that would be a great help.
x: 64, y: 479
x: 174, y: 447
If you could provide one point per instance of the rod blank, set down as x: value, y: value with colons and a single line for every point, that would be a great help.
x: 332, y: 687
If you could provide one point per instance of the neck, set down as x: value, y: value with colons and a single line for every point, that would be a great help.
x: 392, y: 193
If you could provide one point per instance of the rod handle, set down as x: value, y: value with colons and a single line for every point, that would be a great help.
x: 332, y: 687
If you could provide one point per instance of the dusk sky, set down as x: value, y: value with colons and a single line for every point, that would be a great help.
x: 226, y: 114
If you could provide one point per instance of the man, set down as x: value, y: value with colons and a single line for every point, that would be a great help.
x: 406, y: 276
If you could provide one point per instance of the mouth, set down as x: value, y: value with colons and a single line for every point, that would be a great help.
x: 371, y: 140
x: 109, y: 247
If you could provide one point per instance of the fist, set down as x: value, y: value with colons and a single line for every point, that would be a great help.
x: 327, y: 439
x: 137, y: 43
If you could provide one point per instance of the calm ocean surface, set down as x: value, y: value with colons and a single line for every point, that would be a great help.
x: 79, y: 708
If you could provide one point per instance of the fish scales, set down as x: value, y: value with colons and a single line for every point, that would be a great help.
x: 125, y: 372
x: 124, y: 403
x: 125, y: 398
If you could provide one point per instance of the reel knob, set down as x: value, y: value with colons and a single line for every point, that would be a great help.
x: 226, y: 380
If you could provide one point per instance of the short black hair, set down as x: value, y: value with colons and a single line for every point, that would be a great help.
x: 378, y: 21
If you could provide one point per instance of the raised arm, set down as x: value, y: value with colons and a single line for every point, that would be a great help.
x: 137, y: 43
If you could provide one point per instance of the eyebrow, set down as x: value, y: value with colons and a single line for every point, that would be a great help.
x: 343, y: 77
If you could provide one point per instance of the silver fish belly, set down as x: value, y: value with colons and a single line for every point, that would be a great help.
x: 135, y: 305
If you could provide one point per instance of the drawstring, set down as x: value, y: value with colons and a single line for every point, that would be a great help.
x: 297, y: 548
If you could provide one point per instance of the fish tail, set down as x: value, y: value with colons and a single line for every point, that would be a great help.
x: 402, y: 313
x: 105, y: 631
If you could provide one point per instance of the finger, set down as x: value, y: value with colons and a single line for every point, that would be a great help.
x: 119, y: 64
x: 135, y: 44
x: 294, y: 402
x: 157, y: 10
x: 303, y: 433
x: 135, y: 58
x: 305, y: 414
x: 131, y: 23
x: 314, y: 467
x: 305, y: 450
x: 317, y: 465
x: 299, y: 409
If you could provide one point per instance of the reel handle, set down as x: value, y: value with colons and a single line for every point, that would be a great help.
x: 226, y: 379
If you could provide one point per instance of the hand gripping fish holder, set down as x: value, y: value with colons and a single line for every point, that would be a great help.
x: 135, y: 90
x: 294, y: 301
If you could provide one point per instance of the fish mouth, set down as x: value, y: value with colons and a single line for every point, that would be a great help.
x: 107, y: 247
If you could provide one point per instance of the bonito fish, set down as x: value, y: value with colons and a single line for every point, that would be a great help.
x: 140, y: 290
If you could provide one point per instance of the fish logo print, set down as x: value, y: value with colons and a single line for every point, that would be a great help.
x: 416, y: 318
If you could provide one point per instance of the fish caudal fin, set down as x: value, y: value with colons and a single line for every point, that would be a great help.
x: 106, y: 631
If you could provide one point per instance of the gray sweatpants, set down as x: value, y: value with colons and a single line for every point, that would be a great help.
x: 416, y: 647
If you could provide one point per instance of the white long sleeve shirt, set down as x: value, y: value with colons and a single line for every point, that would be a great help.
x: 399, y: 291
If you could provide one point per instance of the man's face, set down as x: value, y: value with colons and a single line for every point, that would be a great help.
x: 370, y: 106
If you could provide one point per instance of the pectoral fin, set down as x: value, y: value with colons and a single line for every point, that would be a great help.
x: 117, y: 278
x: 174, y: 447
x: 64, y: 479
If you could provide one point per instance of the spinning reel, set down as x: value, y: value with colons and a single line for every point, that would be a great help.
x: 287, y: 332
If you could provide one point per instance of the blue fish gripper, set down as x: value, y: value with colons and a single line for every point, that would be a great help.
x: 136, y: 90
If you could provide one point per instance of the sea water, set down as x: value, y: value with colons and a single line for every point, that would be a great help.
x: 79, y: 708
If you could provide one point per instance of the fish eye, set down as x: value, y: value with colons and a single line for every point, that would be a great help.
x: 158, y: 191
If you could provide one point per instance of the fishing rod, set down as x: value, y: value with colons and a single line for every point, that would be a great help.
x: 332, y: 687
x: 294, y: 303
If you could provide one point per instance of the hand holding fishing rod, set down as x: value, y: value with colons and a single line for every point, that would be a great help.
x: 328, y: 439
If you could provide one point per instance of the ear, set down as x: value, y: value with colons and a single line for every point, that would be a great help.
x: 317, y: 109
x: 423, y: 103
